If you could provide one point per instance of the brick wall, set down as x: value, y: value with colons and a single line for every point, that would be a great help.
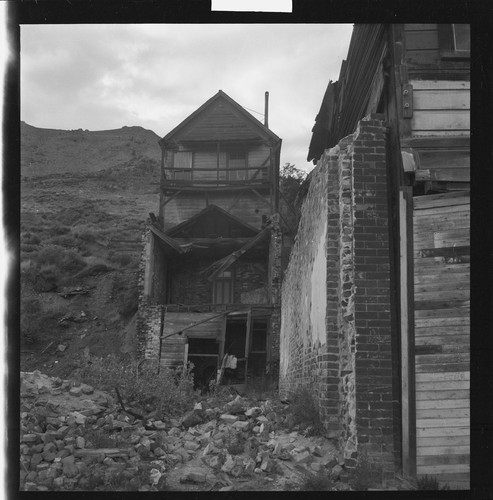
x: 348, y: 366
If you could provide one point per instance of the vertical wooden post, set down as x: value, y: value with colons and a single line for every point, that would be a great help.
x: 149, y: 266
x: 407, y: 342
x: 247, y: 340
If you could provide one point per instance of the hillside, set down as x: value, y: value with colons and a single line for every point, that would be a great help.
x: 85, y: 197
x: 50, y: 151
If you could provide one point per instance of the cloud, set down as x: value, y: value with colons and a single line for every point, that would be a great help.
x: 107, y: 76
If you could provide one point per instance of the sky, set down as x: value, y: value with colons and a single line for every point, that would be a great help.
x: 106, y: 76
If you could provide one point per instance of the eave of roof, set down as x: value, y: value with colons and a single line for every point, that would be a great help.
x: 221, y: 95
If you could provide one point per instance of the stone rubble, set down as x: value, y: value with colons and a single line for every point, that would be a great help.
x: 75, y: 438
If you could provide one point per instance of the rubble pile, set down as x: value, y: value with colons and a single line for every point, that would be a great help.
x: 76, y: 438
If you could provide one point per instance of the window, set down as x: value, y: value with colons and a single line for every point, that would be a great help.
x: 237, y: 161
x: 223, y: 288
x: 455, y: 40
x: 183, y: 165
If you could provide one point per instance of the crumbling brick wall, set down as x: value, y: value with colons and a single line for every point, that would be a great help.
x: 335, y: 328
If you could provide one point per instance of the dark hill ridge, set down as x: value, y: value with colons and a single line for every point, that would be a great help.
x: 51, y: 151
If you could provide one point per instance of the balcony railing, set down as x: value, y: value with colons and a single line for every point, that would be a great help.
x: 216, y: 177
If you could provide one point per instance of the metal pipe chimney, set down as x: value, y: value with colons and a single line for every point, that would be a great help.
x: 266, y: 110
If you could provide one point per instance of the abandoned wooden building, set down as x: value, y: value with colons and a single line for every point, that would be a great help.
x: 211, y: 270
x: 375, y: 300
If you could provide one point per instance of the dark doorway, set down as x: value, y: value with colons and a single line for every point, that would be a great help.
x: 235, y: 344
x: 204, y: 354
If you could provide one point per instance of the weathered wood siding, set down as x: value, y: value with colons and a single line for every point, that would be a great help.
x: 422, y: 45
x: 441, y: 293
x: 219, y: 122
x: 440, y: 108
x: 173, y: 352
x: 245, y: 205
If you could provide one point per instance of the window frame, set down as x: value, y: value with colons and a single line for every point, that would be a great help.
x: 183, y: 170
x: 446, y: 38
x: 224, y: 277
x: 235, y: 172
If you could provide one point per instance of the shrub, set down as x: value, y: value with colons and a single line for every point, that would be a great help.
x: 30, y: 239
x: 366, y: 474
x: 59, y: 230
x: 126, y: 294
x: 304, y: 409
x: 316, y: 482
x: 430, y: 483
x: 67, y: 261
x: 168, y: 392
x: 28, y: 248
x: 30, y: 309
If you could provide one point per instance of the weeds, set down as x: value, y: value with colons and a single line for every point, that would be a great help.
x: 430, y: 483
x: 366, y: 474
x: 169, y: 392
x: 304, y: 410
x: 316, y: 482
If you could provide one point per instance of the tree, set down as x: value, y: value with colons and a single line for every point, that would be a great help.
x: 290, y: 181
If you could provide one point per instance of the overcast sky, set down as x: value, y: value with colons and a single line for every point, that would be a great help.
x: 101, y: 77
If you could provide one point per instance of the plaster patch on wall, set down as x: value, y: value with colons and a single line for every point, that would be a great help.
x: 319, y: 290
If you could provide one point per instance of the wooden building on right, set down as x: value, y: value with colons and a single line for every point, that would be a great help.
x: 414, y: 79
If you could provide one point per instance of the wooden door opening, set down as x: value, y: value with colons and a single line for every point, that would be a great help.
x: 235, y: 344
x: 204, y: 354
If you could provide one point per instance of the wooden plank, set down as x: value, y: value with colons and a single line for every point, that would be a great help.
x: 458, y: 294
x: 445, y: 468
x: 443, y: 413
x: 431, y: 396
x: 436, y: 159
x: 440, y: 305
x: 443, y: 377
x: 427, y: 385
x: 440, y: 84
x: 461, y: 278
x: 446, y: 458
x: 444, y: 174
x: 460, y: 283
x: 440, y: 222
x: 441, y: 99
x: 443, y: 403
x: 442, y: 313
x: 460, y: 357
x: 438, y: 120
x: 452, y: 133
x: 422, y: 40
x: 448, y: 235
x: 460, y: 143
x: 444, y: 432
x: 443, y: 322
x: 431, y: 266
x: 427, y: 449
x: 442, y: 368
x: 407, y: 411
x: 449, y: 345
x: 435, y: 211
x: 442, y: 422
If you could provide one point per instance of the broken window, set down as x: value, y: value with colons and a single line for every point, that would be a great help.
x: 223, y: 288
x: 183, y: 165
x: 257, y: 358
x: 237, y: 166
x: 455, y: 40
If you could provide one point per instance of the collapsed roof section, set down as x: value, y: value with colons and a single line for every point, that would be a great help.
x: 213, y: 230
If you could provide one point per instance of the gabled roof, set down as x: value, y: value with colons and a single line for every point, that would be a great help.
x: 220, y: 118
x: 214, y: 211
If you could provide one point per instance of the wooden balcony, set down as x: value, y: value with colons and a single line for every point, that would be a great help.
x: 215, y: 178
